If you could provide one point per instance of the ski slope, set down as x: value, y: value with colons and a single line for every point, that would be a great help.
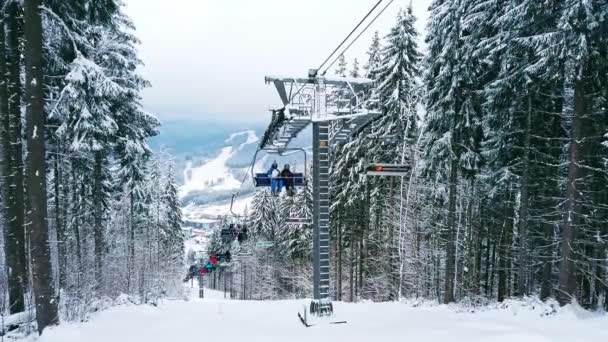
x: 217, y: 319
x: 192, y: 211
x: 215, y: 174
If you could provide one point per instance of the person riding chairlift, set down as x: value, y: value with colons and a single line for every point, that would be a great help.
x: 275, y: 180
x: 287, y: 178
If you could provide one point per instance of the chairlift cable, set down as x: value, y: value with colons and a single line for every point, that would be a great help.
x: 350, y: 34
x: 356, y: 38
x: 365, y: 29
x: 238, y: 193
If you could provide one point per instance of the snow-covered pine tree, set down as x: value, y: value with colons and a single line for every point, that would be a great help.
x: 295, y: 238
x: 394, y: 134
x: 580, y: 37
x: 397, y: 87
x: 341, y: 70
x: 265, y: 217
x: 373, y: 57
x: 509, y: 124
x: 452, y: 128
x: 355, y: 72
x: 172, y: 236
x: 340, y: 96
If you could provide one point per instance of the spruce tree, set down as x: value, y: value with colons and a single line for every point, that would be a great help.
x: 373, y: 57
x: 355, y: 70
x: 448, y: 138
x: 341, y: 70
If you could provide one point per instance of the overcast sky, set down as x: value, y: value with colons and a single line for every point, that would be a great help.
x: 207, y: 59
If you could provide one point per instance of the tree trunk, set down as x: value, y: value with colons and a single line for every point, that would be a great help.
x: 98, y: 207
x: 504, y: 248
x: 46, y: 304
x: 16, y: 256
x: 492, y: 268
x: 567, y: 280
x: 546, y: 285
x: 360, y: 267
x: 450, y: 261
x: 351, y: 272
x: 131, y: 243
x: 14, y: 233
x: 77, y: 221
x: 486, y: 276
x: 477, y: 226
x: 339, y: 263
x: 523, y: 206
x: 62, y: 235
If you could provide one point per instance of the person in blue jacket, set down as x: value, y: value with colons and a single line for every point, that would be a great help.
x: 275, y: 178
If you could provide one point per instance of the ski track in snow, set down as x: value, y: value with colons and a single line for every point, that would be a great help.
x: 217, y: 319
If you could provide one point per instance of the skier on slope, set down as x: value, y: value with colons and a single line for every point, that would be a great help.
x: 275, y: 181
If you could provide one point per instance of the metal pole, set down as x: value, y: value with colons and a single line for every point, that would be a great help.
x: 201, y: 287
x: 321, y: 210
x: 315, y: 211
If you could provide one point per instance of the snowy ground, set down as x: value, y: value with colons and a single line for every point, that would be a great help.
x: 217, y: 319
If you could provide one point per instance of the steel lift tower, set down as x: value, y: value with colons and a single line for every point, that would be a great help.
x: 337, y: 108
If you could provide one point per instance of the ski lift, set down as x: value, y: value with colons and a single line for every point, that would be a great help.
x: 228, y: 235
x: 298, y: 179
x: 224, y: 257
x: 295, y: 219
x: 387, y: 170
x: 298, y: 220
x: 240, y: 231
x: 242, y: 235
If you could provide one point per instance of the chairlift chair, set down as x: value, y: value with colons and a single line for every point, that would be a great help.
x: 298, y: 220
x: 263, y: 179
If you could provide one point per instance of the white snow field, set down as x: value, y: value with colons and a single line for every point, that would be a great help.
x: 217, y: 319
x: 192, y: 211
x: 214, y: 174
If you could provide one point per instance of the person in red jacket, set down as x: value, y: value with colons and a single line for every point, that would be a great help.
x: 213, y: 259
x: 202, y: 271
